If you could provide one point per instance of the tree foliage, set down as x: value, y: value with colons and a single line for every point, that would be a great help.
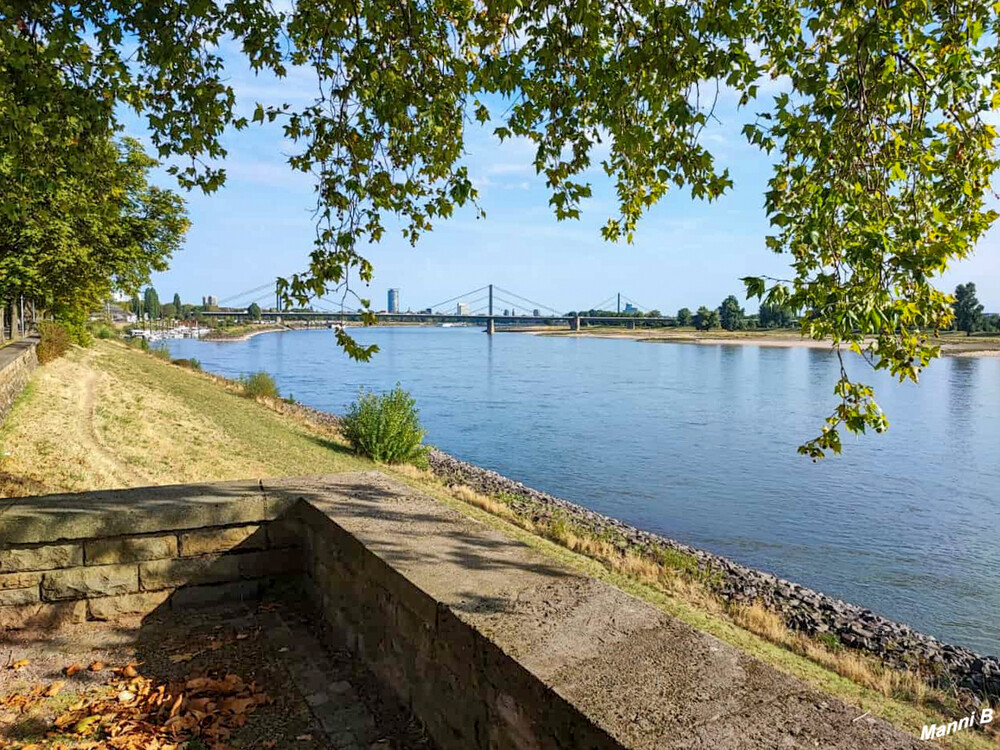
x: 684, y: 317
x: 705, y: 319
x: 732, y: 317
x: 151, y: 303
x: 883, y: 151
x: 968, y: 311
x: 774, y: 316
x: 254, y: 311
x: 89, y: 226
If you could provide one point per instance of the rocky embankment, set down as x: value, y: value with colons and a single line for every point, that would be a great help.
x: 803, y: 609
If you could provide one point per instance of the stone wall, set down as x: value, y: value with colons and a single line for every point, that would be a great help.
x: 802, y: 608
x: 467, y: 691
x: 96, y: 556
x: 17, y: 361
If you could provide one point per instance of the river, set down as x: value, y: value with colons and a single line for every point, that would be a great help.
x: 698, y: 443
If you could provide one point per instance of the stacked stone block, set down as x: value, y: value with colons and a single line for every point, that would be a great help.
x: 17, y: 361
x: 51, y: 573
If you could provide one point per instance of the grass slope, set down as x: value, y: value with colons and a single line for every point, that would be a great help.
x: 110, y: 416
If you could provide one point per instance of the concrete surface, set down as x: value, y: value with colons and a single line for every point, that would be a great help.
x: 645, y: 678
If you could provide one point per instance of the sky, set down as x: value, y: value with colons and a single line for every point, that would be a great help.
x: 685, y: 254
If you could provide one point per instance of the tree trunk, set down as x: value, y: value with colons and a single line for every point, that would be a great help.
x: 14, y: 320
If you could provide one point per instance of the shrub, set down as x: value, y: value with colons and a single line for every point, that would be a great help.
x: 160, y: 352
x: 386, y: 427
x: 259, y: 384
x: 102, y: 331
x: 55, y: 342
x: 138, y: 342
x: 189, y: 364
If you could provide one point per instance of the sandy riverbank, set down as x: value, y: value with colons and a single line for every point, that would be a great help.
x: 952, y: 344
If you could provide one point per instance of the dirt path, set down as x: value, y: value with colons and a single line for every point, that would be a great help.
x: 95, y: 385
x: 65, y: 451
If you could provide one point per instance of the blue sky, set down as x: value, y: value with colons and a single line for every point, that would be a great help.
x: 685, y: 254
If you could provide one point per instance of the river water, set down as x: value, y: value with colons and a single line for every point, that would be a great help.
x: 698, y: 443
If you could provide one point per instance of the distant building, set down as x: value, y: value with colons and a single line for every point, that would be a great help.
x: 428, y: 311
x: 210, y: 301
x: 394, y: 300
x: 630, y: 308
x: 462, y: 308
x: 506, y: 312
x: 536, y: 313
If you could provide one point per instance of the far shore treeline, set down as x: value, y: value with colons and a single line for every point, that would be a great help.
x: 969, y: 315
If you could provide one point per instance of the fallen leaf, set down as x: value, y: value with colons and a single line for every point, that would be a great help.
x: 269, y: 744
x: 236, y: 705
x: 72, y: 669
x: 66, y: 719
x: 129, y: 671
x: 86, y: 725
x: 177, y: 705
x: 96, y: 666
x: 54, y: 689
x: 21, y: 664
x: 304, y: 738
x: 125, y: 696
x: 178, y: 658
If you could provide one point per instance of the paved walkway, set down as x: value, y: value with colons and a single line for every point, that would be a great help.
x: 322, y: 699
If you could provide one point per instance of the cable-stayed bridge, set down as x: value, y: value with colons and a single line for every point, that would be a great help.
x: 489, y: 305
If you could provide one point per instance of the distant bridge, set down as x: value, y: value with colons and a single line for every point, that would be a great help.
x: 483, y: 315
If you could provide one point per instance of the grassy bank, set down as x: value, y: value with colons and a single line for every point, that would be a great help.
x: 111, y: 416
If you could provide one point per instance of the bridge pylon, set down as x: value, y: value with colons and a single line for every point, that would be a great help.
x: 491, y: 326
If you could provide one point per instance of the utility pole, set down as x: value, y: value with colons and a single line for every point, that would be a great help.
x: 619, y: 301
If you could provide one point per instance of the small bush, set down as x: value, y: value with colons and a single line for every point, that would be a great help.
x: 55, y: 342
x: 386, y: 427
x: 160, y: 352
x: 138, y: 342
x: 259, y: 384
x: 103, y: 331
x: 188, y: 364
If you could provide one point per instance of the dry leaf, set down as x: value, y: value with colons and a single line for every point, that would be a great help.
x: 96, y: 666
x: 54, y: 689
x: 304, y: 738
x: 177, y: 705
x: 87, y: 724
x: 72, y: 669
x: 125, y: 696
x: 178, y: 658
x: 129, y: 671
x: 21, y: 664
